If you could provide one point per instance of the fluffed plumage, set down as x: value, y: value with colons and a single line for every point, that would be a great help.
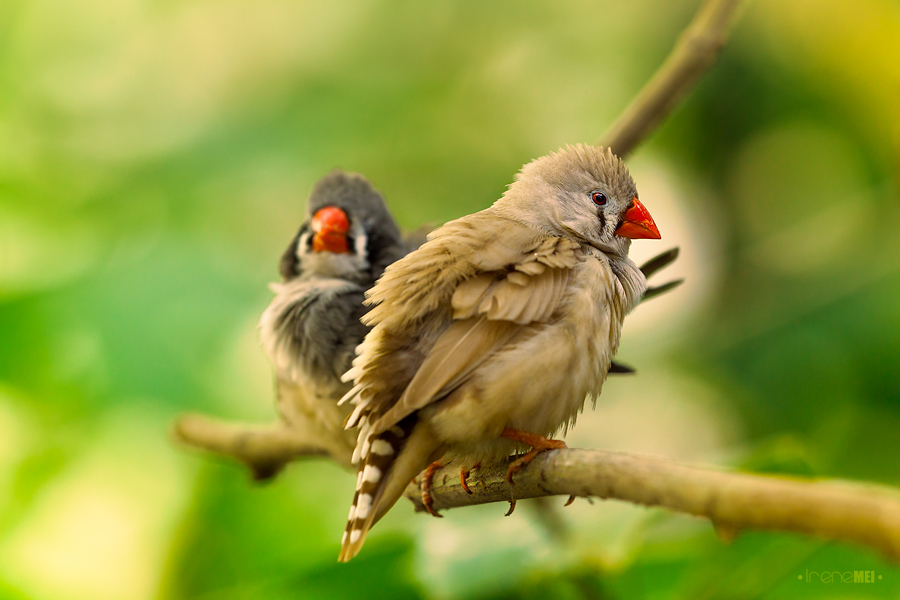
x: 507, y: 318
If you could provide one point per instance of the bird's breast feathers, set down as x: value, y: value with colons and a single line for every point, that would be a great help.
x: 296, y: 315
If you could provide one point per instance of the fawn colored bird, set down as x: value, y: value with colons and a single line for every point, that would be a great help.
x: 490, y: 336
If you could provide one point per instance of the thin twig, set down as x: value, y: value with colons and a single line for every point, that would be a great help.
x: 732, y: 501
x: 696, y: 51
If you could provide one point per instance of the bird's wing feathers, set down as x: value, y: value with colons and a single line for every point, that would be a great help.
x: 423, y: 281
x: 461, y: 349
x: 493, y: 291
x: 516, y: 296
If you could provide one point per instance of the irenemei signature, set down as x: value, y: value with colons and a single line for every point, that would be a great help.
x: 840, y: 576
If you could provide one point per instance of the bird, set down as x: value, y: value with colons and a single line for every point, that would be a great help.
x: 312, y: 325
x: 490, y: 336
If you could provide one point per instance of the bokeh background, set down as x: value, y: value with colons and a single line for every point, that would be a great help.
x: 155, y: 156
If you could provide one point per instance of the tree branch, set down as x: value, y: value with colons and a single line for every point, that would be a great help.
x: 696, y: 51
x: 265, y: 449
x: 732, y: 501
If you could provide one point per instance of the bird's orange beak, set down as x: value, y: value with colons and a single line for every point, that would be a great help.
x: 330, y: 225
x: 638, y: 224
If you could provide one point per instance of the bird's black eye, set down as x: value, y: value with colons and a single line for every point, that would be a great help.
x: 599, y: 198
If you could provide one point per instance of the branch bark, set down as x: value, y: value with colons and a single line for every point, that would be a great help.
x: 695, y: 52
x: 265, y: 449
x: 732, y: 501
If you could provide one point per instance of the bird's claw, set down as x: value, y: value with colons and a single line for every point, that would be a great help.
x: 464, y: 476
x: 426, y: 484
x: 538, y: 445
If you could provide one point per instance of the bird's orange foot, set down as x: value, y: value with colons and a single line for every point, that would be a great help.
x: 425, y: 486
x: 538, y: 444
x: 464, y: 476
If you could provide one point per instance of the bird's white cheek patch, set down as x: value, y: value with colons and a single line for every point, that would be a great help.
x: 363, y: 506
x: 371, y: 473
x: 381, y: 448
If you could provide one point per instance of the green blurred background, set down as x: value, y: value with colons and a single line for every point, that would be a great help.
x: 155, y: 157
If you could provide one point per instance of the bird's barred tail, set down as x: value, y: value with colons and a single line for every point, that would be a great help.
x: 378, y: 454
x: 389, y: 461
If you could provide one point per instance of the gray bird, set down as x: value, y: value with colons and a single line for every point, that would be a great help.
x: 491, y: 335
x: 312, y: 326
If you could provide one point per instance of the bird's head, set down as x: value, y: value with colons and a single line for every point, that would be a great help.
x: 348, y: 233
x: 583, y: 192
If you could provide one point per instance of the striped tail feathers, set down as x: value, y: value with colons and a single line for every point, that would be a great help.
x: 389, y: 461
x: 359, y: 419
